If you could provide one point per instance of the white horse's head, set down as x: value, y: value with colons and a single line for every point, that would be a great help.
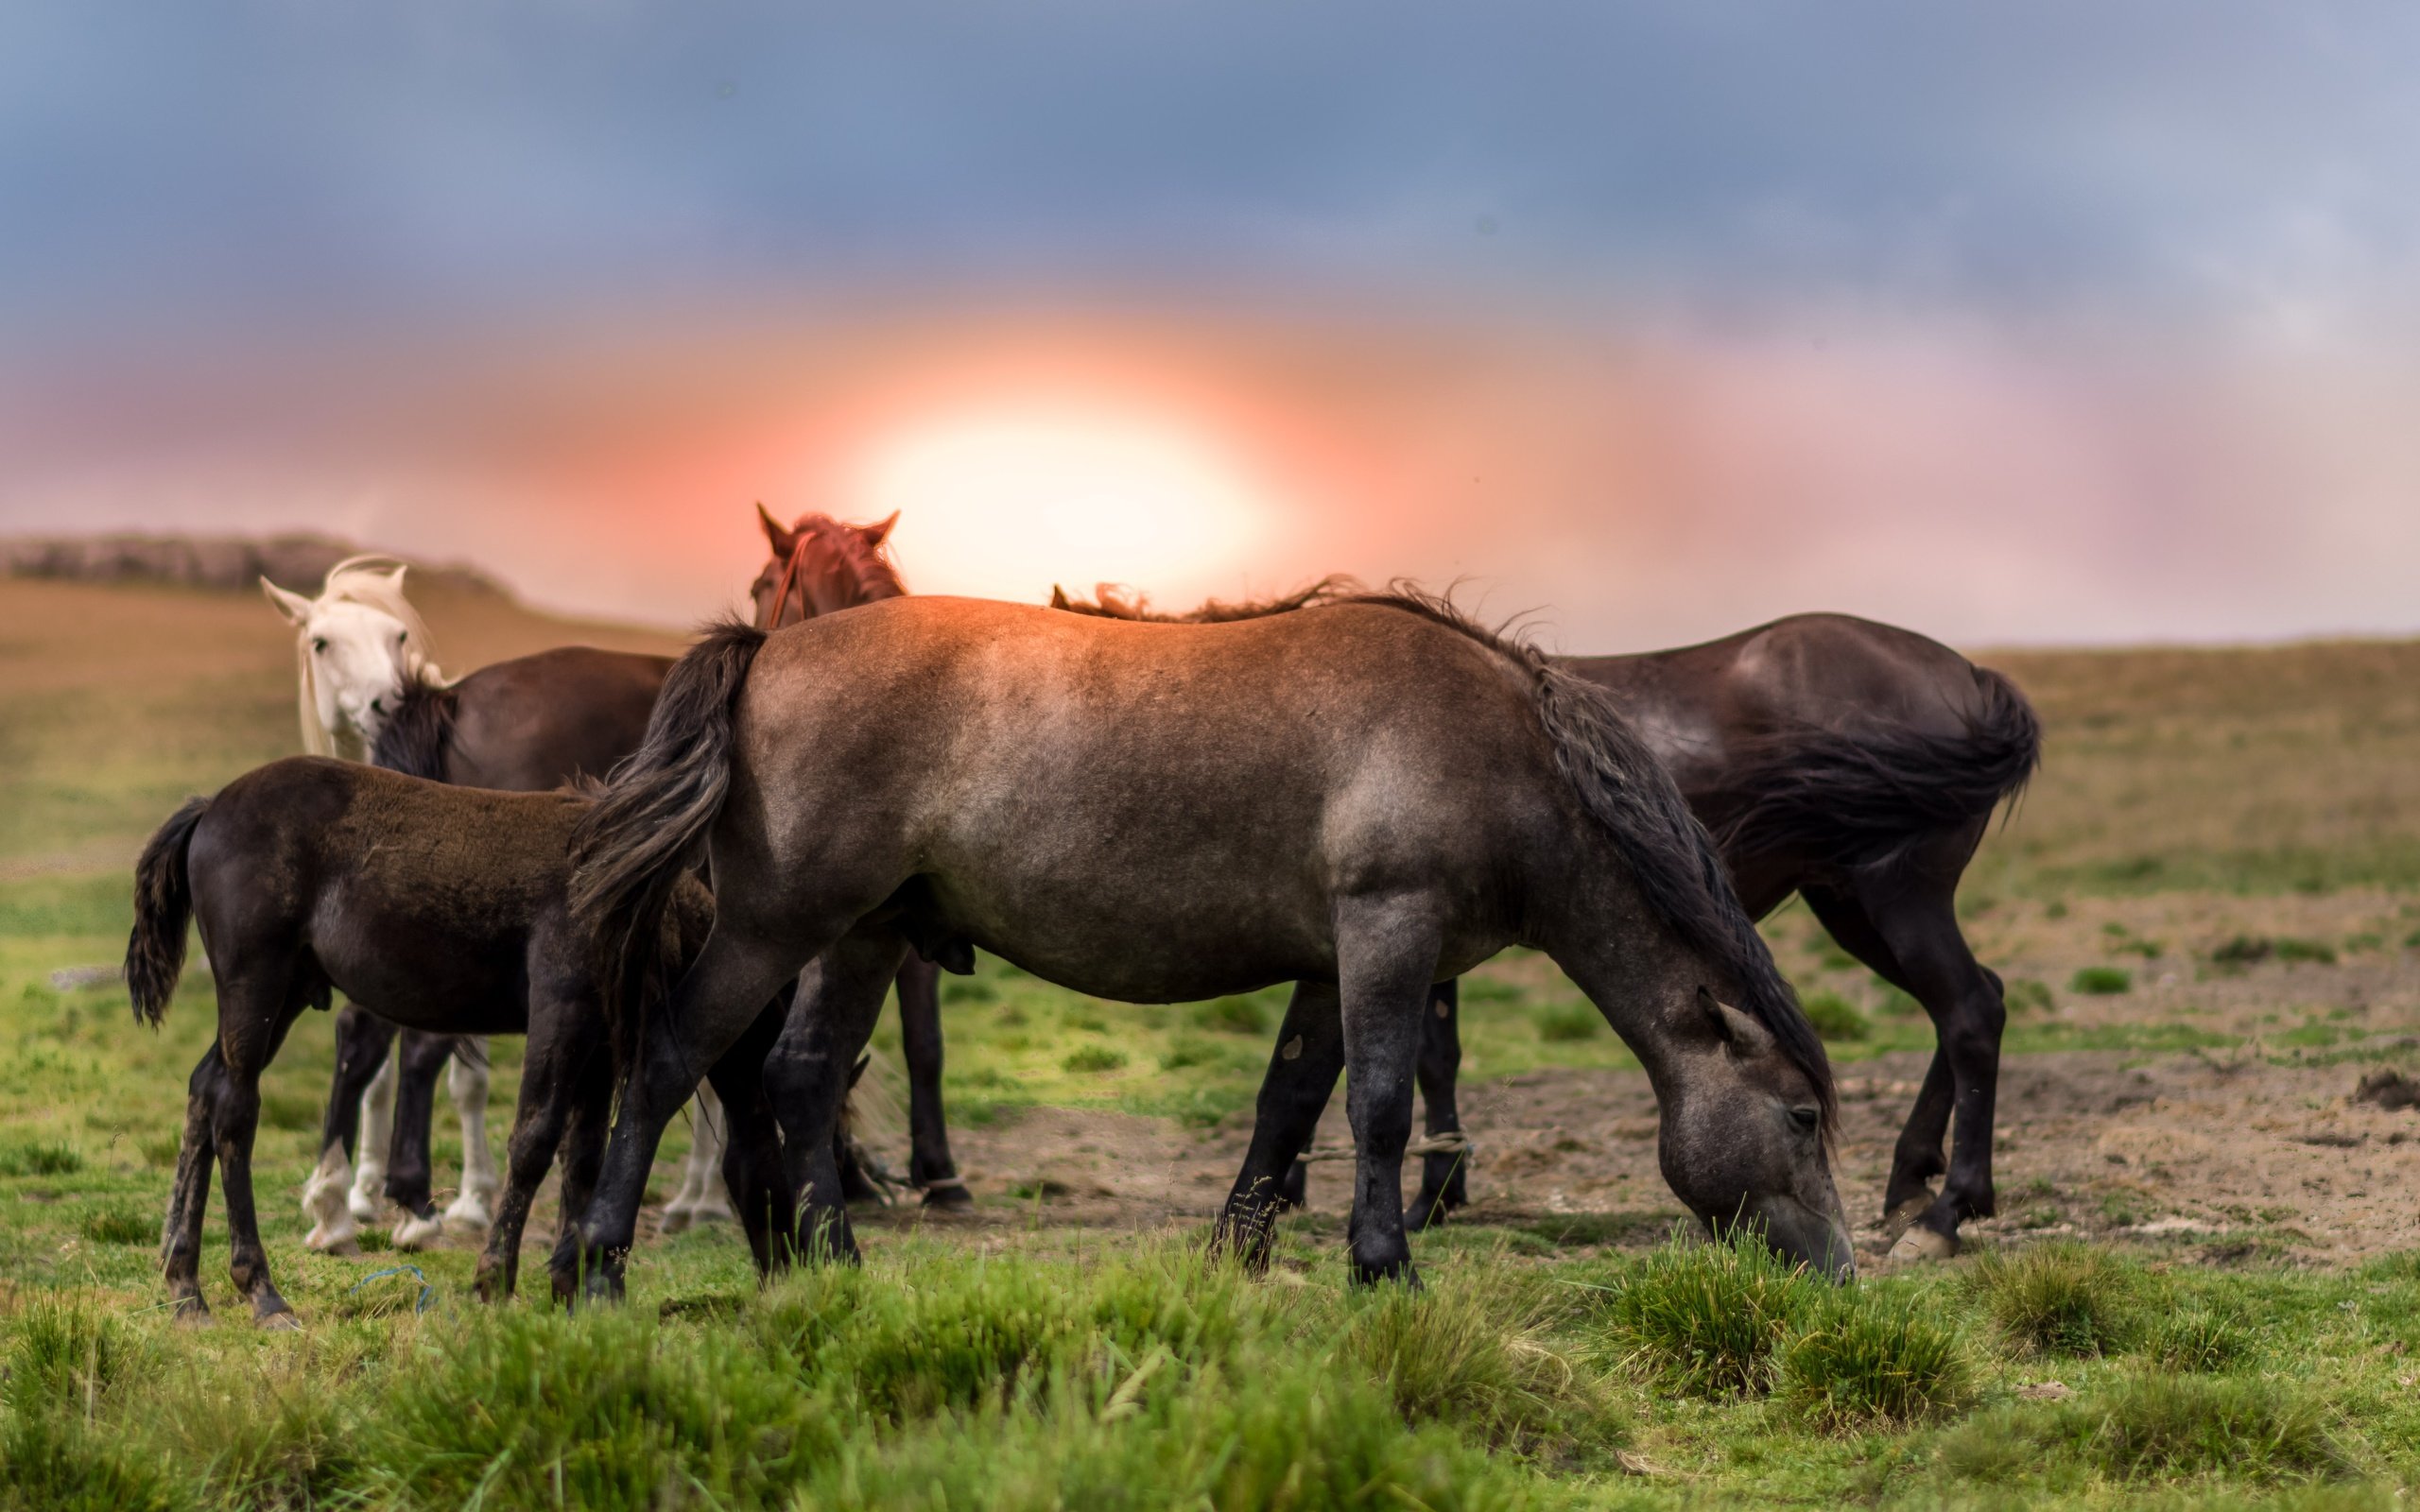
x: 358, y: 646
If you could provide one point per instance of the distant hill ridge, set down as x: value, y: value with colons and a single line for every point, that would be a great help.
x: 298, y: 561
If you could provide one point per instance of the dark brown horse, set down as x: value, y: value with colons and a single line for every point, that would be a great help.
x: 1856, y: 765
x: 1366, y: 797
x: 438, y: 908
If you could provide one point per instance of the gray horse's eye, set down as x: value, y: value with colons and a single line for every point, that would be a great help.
x: 1807, y: 1119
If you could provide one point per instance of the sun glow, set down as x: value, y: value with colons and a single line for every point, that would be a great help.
x: 1004, y: 504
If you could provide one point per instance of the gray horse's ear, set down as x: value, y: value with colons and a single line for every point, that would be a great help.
x: 1732, y: 1027
x: 293, y: 606
x: 879, y: 531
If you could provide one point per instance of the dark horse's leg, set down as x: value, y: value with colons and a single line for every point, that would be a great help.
x: 1301, y: 1076
x: 1442, y: 1187
x: 566, y: 1036
x: 1902, y: 920
x: 738, y: 972
x: 808, y: 1073
x: 1442, y: 1174
x: 929, y: 1167
x: 363, y: 1039
x: 422, y: 1059
x: 752, y: 1152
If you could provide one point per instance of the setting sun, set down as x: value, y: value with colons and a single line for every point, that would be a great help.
x: 1005, y: 504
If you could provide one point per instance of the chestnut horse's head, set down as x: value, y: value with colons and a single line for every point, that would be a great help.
x: 819, y: 566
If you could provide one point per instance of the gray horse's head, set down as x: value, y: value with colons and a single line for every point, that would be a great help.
x: 1743, y: 1140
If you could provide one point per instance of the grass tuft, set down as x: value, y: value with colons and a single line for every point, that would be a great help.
x: 1232, y: 1015
x: 1706, y: 1319
x: 2197, y: 1338
x: 119, y: 1226
x: 1461, y: 1358
x: 1092, y: 1059
x: 1835, y: 1018
x: 2148, y: 1426
x: 40, y: 1157
x: 2064, y: 1298
x: 2101, y: 981
x: 1866, y: 1361
x: 1565, y: 1022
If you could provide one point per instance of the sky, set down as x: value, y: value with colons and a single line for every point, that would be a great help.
x: 2057, y: 323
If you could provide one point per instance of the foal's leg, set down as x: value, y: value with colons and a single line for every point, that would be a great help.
x: 929, y: 1167
x: 466, y: 1082
x: 362, y: 1042
x: 564, y: 1036
x: 369, y: 1197
x: 1301, y: 1076
x: 255, y: 1010
x: 1386, y: 958
x: 422, y: 1059
x: 724, y: 990
x: 180, y: 1235
x: 807, y: 1074
x: 1443, y: 1184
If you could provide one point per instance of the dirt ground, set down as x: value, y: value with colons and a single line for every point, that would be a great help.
x: 2253, y: 1145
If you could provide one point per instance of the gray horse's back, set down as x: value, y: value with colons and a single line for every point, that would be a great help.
x: 1053, y: 777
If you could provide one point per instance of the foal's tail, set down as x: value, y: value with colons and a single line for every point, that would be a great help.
x: 155, y: 953
x: 1865, y: 793
x: 630, y: 851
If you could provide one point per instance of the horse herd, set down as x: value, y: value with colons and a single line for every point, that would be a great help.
x: 1364, y: 794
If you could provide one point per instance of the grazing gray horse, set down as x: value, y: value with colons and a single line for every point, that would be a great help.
x: 1371, y: 795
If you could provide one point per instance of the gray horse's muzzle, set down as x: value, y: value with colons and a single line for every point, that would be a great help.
x: 1819, y: 1241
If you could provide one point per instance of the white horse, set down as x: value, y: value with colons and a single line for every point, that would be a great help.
x: 359, y: 646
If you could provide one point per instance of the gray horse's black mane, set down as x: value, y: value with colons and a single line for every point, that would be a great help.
x: 1618, y: 780
x: 415, y: 738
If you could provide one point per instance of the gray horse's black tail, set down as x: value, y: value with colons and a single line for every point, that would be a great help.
x: 1861, y: 796
x: 155, y: 951
x: 630, y: 851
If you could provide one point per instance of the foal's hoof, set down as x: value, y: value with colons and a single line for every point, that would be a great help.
x: 948, y: 1196
x: 1920, y: 1244
x: 192, y: 1313
x: 281, y: 1321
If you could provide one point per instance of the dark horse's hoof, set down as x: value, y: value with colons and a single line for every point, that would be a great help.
x: 1401, y: 1271
x: 948, y: 1195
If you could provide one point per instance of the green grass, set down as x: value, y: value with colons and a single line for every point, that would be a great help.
x: 2101, y: 981
x: 1706, y: 1319
x: 1837, y: 1019
x: 2061, y: 1298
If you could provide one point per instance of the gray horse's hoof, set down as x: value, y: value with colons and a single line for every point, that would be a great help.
x: 948, y: 1197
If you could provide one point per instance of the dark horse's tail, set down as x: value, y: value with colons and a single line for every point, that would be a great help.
x: 155, y: 953
x: 1863, y: 794
x: 630, y: 851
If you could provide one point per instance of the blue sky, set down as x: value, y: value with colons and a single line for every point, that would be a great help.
x: 2206, y: 212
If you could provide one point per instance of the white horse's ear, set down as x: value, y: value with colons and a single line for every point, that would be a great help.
x: 293, y: 606
x: 395, y: 578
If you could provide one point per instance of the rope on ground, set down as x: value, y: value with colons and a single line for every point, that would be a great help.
x: 1453, y: 1142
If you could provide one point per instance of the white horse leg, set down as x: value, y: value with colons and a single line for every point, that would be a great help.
x: 466, y: 1081
x: 333, y: 1229
x: 377, y: 1127
x: 702, y: 1197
